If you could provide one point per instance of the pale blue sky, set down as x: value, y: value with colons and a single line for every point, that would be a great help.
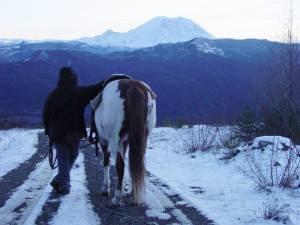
x: 70, y: 19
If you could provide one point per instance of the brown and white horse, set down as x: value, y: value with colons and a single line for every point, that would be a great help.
x: 126, y: 115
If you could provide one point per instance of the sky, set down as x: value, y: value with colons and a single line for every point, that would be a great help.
x: 71, y: 19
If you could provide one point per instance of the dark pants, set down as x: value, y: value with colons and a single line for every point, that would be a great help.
x: 66, y: 155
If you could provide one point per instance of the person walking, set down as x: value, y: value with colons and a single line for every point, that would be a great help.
x: 63, y: 120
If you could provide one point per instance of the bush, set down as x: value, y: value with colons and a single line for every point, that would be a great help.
x: 197, y: 138
x: 167, y: 122
x: 272, y: 163
x: 272, y: 210
x: 6, y: 124
x: 227, y: 138
x: 179, y: 123
x: 248, y: 128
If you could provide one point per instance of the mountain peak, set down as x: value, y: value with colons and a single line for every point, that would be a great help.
x: 157, y: 30
x: 109, y: 32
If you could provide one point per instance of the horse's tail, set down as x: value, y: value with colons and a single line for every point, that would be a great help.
x: 137, y: 137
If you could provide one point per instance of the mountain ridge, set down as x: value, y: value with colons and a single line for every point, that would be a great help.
x: 198, y: 78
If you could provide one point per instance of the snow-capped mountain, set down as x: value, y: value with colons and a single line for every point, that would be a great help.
x: 155, y: 31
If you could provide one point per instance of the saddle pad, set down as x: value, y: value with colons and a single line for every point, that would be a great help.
x: 96, y: 101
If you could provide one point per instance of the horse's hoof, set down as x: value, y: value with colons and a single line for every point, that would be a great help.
x: 115, y: 202
x: 106, y: 190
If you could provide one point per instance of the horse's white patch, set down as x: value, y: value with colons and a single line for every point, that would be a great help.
x: 151, y: 118
x: 110, y: 108
x: 117, y: 198
x: 106, y: 182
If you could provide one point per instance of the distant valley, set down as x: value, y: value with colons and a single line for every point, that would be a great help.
x: 194, y: 79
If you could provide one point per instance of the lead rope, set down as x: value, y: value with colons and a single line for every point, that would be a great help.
x: 50, y: 156
x: 93, y: 139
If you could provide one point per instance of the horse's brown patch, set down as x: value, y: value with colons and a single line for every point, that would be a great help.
x: 123, y: 87
x: 106, y: 155
x: 120, y: 171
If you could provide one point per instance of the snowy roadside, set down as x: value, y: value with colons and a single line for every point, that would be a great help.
x: 74, y: 208
x: 16, y: 146
x: 217, y: 188
x: 228, y: 197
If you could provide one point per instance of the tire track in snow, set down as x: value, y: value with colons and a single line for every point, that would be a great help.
x: 16, y: 177
x: 35, y: 202
x: 163, y: 201
x: 162, y: 205
x: 23, y: 199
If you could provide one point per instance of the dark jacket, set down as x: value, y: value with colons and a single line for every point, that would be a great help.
x: 63, y: 114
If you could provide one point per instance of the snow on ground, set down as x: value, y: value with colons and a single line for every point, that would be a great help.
x: 218, y: 188
x: 27, y: 193
x: 16, y: 146
x: 228, y: 196
x: 75, y: 208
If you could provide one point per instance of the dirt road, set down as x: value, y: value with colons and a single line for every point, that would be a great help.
x: 27, y: 198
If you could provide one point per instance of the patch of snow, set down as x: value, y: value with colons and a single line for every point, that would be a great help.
x: 38, y: 208
x: 16, y: 146
x: 75, y: 208
x: 28, y: 193
x: 228, y: 197
x: 157, y: 214
x: 207, y: 48
x: 277, y: 141
x: 25, y: 60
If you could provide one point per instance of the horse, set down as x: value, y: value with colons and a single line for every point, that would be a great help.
x: 125, y: 116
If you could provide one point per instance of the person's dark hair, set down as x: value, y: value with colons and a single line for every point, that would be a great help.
x: 67, y: 77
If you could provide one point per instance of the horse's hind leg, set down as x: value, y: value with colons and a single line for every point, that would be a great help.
x: 125, y: 145
x: 106, y: 167
x: 120, y: 173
